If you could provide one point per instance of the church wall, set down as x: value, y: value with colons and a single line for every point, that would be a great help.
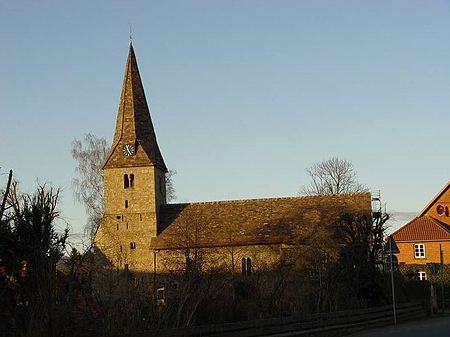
x: 221, y: 259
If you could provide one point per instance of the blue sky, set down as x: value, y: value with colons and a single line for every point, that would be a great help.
x: 244, y: 94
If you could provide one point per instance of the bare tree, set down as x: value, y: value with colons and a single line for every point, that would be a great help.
x: 170, y: 188
x: 90, y: 155
x: 332, y: 176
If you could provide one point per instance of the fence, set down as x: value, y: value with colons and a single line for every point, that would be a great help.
x: 337, y: 323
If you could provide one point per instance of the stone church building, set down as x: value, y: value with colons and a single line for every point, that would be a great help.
x: 143, y: 234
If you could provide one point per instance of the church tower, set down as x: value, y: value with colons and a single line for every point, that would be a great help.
x: 133, y: 181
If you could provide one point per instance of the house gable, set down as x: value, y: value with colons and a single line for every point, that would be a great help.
x: 439, y: 206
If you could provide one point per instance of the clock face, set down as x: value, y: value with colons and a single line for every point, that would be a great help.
x: 128, y: 150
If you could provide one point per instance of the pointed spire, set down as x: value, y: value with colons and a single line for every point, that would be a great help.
x: 134, y: 125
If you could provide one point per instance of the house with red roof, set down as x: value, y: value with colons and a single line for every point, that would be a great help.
x: 427, y: 236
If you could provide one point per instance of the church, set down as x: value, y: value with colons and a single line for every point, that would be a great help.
x: 142, y: 234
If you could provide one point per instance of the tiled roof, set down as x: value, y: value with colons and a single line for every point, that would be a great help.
x: 134, y: 125
x: 424, y: 228
x: 254, y: 221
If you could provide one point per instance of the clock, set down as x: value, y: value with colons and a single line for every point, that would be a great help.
x: 128, y: 150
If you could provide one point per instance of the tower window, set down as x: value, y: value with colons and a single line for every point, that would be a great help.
x: 131, y: 180
x: 117, y: 226
x: 126, y: 181
x: 133, y: 245
x: 121, y: 249
x: 127, y: 225
x: 246, y: 266
x: 126, y: 203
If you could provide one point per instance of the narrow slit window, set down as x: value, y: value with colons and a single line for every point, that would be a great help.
x: 126, y: 203
x: 126, y: 181
x: 131, y: 180
x: 117, y: 226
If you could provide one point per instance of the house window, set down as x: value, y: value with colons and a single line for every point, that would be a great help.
x: 246, y: 266
x: 421, y: 276
x: 131, y: 180
x: 133, y: 245
x: 126, y: 181
x: 419, y: 251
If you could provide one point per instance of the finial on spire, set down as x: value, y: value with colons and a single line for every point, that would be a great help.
x: 131, y: 32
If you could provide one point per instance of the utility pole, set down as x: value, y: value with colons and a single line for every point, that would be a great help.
x: 8, y: 185
x: 391, y: 249
x: 441, y: 256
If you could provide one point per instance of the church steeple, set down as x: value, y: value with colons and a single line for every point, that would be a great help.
x: 134, y: 142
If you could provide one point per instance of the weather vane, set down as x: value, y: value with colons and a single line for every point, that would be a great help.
x: 131, y: 32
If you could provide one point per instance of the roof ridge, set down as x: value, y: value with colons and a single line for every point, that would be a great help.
x: 335, y: 196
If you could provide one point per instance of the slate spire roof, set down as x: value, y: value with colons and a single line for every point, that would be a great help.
x: 134, y: 125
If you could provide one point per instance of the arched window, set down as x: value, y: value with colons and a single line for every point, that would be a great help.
x: 246, y: 266
x: 133, y: 245
x: 131, y: 180
x: 126, y: 181
x: 249, y: 266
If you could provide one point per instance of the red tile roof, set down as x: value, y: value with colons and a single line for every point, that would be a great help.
x: 424, y: 228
